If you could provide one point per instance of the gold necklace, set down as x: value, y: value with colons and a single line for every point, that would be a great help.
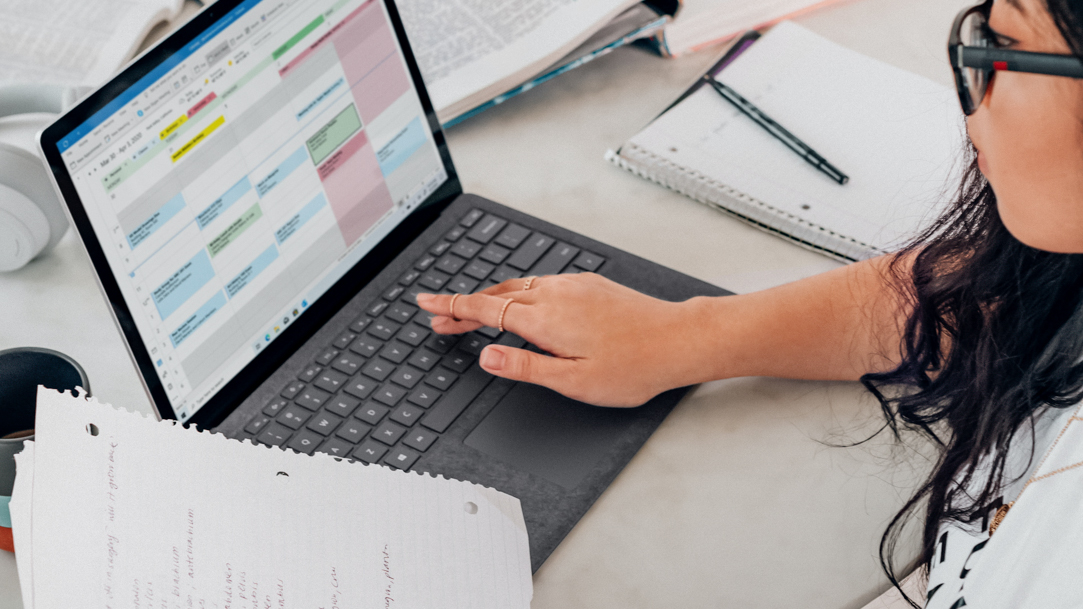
x: 1002, y: 511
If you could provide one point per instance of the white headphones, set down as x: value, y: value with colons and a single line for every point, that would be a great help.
x: 32, y: 219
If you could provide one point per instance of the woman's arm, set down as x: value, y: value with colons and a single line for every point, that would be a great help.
x: 614, y: 346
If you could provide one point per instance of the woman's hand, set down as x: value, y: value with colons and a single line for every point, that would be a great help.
x: 609, y: 345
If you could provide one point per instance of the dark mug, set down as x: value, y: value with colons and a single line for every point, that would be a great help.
x: 21, y: 371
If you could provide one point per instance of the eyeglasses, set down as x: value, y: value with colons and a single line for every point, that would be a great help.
x: 975, y: 57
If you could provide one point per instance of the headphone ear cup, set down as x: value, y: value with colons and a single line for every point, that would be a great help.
x: 24, y: 229
x: 23, y: 172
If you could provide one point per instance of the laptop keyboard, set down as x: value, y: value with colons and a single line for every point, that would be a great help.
x: 387, y: 386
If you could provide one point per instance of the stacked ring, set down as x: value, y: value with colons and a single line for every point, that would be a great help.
x: 503, y: 309
x: 529, y: 281
x: 452, y: 307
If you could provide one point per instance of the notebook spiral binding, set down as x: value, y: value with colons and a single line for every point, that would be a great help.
x: 698, y: 187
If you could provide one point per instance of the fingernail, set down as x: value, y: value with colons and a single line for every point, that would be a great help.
x: 424, y: 298
x: 492, y: 359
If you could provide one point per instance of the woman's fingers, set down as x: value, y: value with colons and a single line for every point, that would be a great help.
x: 522, y: 365
x: 466, y: 312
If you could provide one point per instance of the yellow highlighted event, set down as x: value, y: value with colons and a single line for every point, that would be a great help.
x: 202, y: 135
x: 173, y: 126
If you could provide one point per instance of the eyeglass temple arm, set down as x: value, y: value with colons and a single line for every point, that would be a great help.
x: 1019, y: 61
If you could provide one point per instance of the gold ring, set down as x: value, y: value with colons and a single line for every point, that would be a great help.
x: 529, y: 282
x: 503, y: 309
x: 453, y: 297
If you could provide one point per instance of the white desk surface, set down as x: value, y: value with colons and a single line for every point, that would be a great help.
x: 737, y: 500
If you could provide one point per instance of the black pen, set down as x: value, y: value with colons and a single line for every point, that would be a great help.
x: 792, y: 142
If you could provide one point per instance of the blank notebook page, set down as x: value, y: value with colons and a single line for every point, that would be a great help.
x: 897, y: 135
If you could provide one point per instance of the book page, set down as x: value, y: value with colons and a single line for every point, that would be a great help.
x: 701, y: 23
x: 128, y: 512
x: 898, y: 136
x: 478, y: 48
x: 74, y: 42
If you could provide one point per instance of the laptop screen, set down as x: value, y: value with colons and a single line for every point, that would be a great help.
x: 236, y: 182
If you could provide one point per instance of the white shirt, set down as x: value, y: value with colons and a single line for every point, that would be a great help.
x: 1036, y: 557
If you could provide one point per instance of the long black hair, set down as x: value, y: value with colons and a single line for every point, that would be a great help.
x: 994, y: 336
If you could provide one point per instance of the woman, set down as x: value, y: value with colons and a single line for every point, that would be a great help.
x: 973, y: 334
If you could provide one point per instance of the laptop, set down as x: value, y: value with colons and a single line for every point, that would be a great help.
x: 263, y: 194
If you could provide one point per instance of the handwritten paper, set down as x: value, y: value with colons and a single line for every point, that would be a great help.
x: 121, y: 511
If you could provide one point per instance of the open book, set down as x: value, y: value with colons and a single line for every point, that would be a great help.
x: 74, y: 42
x: 113, y: 509
x: 477, y: 54
x: 897, y: 135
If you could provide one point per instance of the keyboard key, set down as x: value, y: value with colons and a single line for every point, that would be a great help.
x: 425, y: 263
x: 589, y: 262
x: 394, y: 293
x: 455, y: 234
x: 530, y: 252
x: 275, y: 434
x: 441, y: 379
x: 488, y: 332
x: 388, y: 433
x: 463, y: 285
x: 420, y: 439
x: 366, y: 346
x: 293, y: 416
x: 484, y: 231
x: 292, y: 390
x: 401, y: 312
x: 256, y: 423
x: 406, y: 414
x: 407, y: 377
x: 395, y: 352
x: 376, y: 308
x: 383, y: 330
x: 466, y: 249
x: 389, y: 394
x: 401, y: 458
x: 457, y: 361
x: 471, y: 218
x: 331, y: 380
x: 312, y: 398
x: 327, y: 357
x: 275, y: 406
x: 305, y: 442
x: 450, y: 264
x: 347, y: 363
x: 440, y: 249
x: 353, y: 431
x: 434, y: 280
x: 309, y: 373
x: 378, y: 369
x: 494, y: 254
x: 324, y: 423
x: 473, y: 344
x: 479, y: 270
x: 454, y: 402
x: 512, y: 236
x: 336, y: 447
x: 369, y: 452
x: 413, y: 335
x: 423, y: 396
x: 358, y: 326
x: 372, y: 413
x: 556, y: 260
x: 503, y: 274
x: 342, y: 405
x: 424, y: 359
x: 423, y: 318
x: 441, y: 343
x: 409, y: 277
x: 410, y: 295
x: 343, y: 340
x: 360, y: 387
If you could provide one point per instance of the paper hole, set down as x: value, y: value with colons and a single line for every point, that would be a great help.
x: 92, y: 429
x: 673, y: 149
x: 805, y: 207
x: 283, y: 474
x: 471, y: 507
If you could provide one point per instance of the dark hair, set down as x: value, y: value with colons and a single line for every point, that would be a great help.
x: 995, y: 335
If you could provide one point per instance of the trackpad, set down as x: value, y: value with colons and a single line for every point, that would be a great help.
x: 544, y: 433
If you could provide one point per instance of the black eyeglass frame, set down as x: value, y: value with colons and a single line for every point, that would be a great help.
x: 993, y: 60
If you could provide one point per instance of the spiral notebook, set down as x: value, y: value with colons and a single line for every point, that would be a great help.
x: 899, y: 137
